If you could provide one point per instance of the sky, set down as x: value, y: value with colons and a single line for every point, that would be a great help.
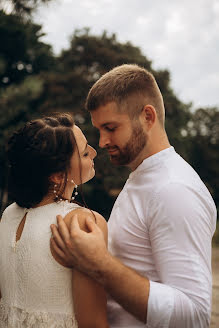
x: 181, y: 36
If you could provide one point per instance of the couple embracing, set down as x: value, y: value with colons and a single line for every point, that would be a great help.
x: 151, y: 265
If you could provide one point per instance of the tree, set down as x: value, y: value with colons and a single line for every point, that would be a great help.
x: 203, y: 140
x: 21, y: 51
x: 17, y: 107
x: 78, y: 67
x: 98, y: 54
x: 23, y: 57
x: 21, y: 7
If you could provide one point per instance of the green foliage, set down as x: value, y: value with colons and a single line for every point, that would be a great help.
x: 98, y: 54
x: 21, y: 7
x: 177, y: 113
x: 22, y: 57
x: 16, y: 102
x: 16, y: 107
x: 82, y: 64
x: 203, y: 143
x: 21, y: 51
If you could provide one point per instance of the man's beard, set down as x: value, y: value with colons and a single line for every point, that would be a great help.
x: 133, y: 147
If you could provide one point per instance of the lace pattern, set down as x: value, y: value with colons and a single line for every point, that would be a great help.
x: 13, y: 317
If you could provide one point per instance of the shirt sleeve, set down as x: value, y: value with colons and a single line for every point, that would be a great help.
x: 180, y: 233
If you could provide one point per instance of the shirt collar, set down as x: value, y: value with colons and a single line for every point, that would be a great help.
x: 152, y: 160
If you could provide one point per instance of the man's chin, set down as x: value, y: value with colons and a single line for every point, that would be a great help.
x: 115, y: 160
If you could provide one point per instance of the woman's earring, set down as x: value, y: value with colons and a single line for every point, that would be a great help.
x: 75, y: 191
x: 55, y: 191
x: 56, y: 194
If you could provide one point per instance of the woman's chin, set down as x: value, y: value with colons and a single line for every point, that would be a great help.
x: 92, y: 175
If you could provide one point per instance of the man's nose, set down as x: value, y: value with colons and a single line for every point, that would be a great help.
x: 103, y: 140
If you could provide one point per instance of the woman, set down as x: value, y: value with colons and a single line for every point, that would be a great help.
x: 48, y: 158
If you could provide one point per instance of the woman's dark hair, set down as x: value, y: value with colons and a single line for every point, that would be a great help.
x: 36, y: 151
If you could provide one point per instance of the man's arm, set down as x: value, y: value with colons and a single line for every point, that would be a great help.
x: 126, y: 286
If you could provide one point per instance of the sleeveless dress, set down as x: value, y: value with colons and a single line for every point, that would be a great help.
x: 36, y: 290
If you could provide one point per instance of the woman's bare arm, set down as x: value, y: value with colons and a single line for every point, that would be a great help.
x: 89, y: 296
x: 89, y: 302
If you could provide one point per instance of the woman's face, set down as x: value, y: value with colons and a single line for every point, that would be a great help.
x: 82, y: 165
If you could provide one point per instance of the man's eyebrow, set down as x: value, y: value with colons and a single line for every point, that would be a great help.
x: 108, y: 123
x: 105, y: 124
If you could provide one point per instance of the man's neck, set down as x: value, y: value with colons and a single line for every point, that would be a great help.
x: 152, y: 147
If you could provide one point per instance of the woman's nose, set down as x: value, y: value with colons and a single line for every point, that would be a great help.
x: 93, y: 152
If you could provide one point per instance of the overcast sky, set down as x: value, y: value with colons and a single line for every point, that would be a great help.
x: 181, y: 36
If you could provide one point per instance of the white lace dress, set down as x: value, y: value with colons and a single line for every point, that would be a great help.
x: 36, y: 290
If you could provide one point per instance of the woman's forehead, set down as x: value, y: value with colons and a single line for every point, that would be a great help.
x: 79, y: 136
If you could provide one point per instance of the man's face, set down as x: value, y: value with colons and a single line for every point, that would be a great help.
x: 123, y: 138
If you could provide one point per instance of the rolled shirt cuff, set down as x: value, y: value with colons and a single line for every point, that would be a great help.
x: 160, y: 305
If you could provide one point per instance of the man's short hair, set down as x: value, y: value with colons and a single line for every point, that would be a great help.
x: 131, y: 87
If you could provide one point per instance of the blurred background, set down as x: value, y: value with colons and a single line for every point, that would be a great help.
x: 52, y: 51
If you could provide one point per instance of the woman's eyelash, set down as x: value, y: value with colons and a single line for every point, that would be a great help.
x: 86, y: 154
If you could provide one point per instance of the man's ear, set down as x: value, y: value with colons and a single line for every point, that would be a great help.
x: 57, y: 178
x: 149, y: 115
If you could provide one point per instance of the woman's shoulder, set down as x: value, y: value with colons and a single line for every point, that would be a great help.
x: 82, y: 213
x: 13, y: 210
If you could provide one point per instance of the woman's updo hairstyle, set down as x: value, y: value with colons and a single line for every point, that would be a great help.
x: 36, y: 151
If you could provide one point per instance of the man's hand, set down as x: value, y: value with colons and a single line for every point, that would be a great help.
x: 83, y: 250
x: 87, y: 252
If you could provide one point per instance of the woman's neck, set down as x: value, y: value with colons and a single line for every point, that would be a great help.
x: 45, y: 201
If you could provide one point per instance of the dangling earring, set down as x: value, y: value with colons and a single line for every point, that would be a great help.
x: 55, y: 193
x: 75, y: 190
x: 75, y: 193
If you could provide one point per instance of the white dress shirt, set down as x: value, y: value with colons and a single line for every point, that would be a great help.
x: 162, y: 225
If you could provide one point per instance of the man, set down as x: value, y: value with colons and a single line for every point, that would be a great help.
x: 158, y: 267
